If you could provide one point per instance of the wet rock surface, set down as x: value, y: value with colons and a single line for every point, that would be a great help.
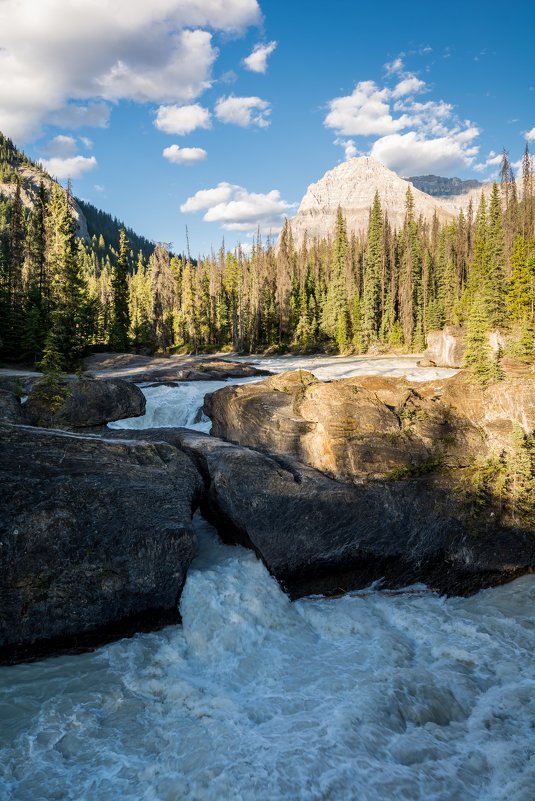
x: 165, y: 370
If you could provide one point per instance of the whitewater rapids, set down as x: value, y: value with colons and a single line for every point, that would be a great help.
x: 370, y: 697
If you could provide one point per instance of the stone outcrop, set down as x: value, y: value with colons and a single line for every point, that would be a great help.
x: 82, y: 403
x: 446, y: 348
x: 31, y: 178
x: 352, y: 429
x: 317, y: 535
x: 370, y: 427
x: 95, y: 538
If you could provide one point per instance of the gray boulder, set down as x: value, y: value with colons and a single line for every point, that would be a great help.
x: 95, y: 538
x: 83, y: 403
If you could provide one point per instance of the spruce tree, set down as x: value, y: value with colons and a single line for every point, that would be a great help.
x: 335, y: 315
x: 374, y: 259
x: 479, y: 357
x: 120, y: 326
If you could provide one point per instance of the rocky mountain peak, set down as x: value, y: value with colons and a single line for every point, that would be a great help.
x: 352, y: 185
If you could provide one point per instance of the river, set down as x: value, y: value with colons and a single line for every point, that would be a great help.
x: 374, y: 696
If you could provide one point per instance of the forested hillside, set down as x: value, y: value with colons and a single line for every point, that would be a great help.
x: 60, y: 295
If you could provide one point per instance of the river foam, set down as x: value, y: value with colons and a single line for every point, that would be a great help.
x: 366, y: 698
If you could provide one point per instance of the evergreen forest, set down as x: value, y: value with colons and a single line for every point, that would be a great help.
x: 62, y: 296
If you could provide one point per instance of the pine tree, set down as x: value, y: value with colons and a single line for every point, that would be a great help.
x: 69, y: 289
x: 374, y: 260
x: 120, y: 293
x: 335, y: 315
x: 479, y: 357
x: 495, y: 273
x: 527, y: 194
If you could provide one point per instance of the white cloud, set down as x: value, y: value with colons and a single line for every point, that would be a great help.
x: 243, y: 111
x: 530, y: 135
x: 412, y: 153
x: 182, y: 119
x: 72, y: 167
x: 394, y: 66
x: 237, y: 209
x: 87, y: 142
x: 257, y: 60
x: 409, y: 86
x: 93, y: 115
x: 413, y: 136
x: 99, y: 188
x: 184, y: 155
x: 90, y: 51
x: 365, y: 112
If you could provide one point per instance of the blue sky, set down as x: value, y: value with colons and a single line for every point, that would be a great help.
x: 252, y: 101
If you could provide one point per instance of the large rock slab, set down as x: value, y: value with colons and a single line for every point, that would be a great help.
x: 159, y: 369
x: 319, y: 535
x: 95, y: 538
x: 353, y: 429
x: 82, y: 403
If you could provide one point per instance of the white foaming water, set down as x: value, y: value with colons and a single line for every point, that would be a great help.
x: 177, y: 405
x: 332, y: 367
x: 376, y: 697
x: 367, y: 698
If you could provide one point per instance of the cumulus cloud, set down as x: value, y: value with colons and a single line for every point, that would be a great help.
x: 182, y: 119
x: 184, y: 155
x: 71, y: 167
x: 91, y: 51
x: 414, y: 136
x: 412, y: 154
x: 243, y: 111
x: 237, y: 209
x: 257, y: 60
x: 530, y: 135
x: 409, y: 86
x: 365, y: 112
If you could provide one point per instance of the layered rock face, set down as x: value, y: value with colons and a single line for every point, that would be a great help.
x: 82, y: 403
x: 95, y: 538
x: 352, y: 429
